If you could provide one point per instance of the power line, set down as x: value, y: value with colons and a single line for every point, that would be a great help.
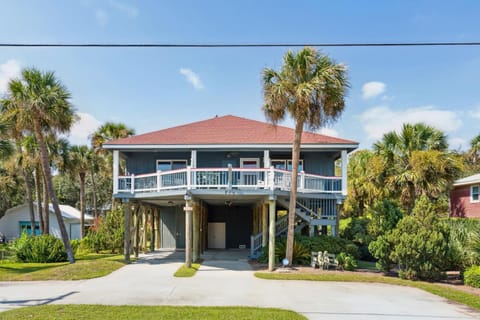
x: 238, y: 45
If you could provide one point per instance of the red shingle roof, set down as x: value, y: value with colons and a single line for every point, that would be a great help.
x: 226, y: 130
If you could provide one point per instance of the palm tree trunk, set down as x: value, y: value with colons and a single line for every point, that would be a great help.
x: 51, y: 191
x: 293, y: 192
x: 46, y: 208
x: 28, y: 189
x: 94, y: 194
x: 36, y: 179
x: 82, y: 203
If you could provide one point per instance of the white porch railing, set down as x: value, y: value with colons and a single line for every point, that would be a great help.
x: 227, y: 178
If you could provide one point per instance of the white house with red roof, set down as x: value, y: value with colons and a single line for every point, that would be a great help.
x: 226, y: 180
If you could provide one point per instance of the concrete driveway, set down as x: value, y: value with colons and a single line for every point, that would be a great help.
x: 226, y: 279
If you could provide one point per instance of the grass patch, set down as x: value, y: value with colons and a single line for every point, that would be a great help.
x: 184, y: 272
x: 453, y: 294
x: 86, y: 267
x: 80, y: 312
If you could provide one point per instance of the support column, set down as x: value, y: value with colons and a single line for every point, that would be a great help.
x: 188, y: 231
x: 271, y: 235
x: 344, y: 172
x: 196, y: 231
x: 115, y: 171
x: 144, y: 233
x: 136, y: 241
x: 157, y: 230
x: 264, y: 225
x: 127, y: 223
x: 152, y: 230
x: 266, y: 158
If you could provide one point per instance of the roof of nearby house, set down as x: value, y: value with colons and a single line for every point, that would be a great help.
x: 68, y: 212
x: 226, y: 130
x: 468, y: 180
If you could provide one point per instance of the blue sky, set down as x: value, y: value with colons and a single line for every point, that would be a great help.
x: 151, y: 89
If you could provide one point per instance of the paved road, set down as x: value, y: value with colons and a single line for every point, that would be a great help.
x: 224, y: 281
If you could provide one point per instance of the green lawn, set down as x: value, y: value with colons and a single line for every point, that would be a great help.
x: 80, y: 312
x: 86, y: 267
x: 366, y: 265
x: 184, y: 272
x: 453, y: 294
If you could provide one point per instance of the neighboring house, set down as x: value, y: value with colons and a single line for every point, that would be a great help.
x: 464, y: 198
x: 226, y: 176
x: 17, y: 219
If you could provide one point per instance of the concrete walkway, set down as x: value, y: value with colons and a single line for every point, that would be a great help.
x: 225, y: 279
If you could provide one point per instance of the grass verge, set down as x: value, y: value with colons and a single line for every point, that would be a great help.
x: 80, y: 312
x: 453, y: 294
x: 86, y: 267
x: 184, y: 272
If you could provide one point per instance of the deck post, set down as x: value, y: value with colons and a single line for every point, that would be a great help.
x: 266, y: 159
x: 136, y: 240
x: 144, y: 234
x: 189, y: 177
x: 271, y: 178
x: 188, y: 231
x: 302, y: 180
x: 115, y: 171
x: 271, y: 234
x: 159, y: 180
x: 193, y: 164
x: 152, y: 230
x: 196, y: 229
x: 157, y: 230
x: 132, y: 186
x: 344, y: 172
x: 264, y: 225
x: 127, y: 223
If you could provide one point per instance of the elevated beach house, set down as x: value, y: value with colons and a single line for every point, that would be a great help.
x: 224, y: 182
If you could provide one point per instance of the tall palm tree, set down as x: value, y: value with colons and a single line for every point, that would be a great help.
x: 109, y: 131
x: 80, y: 160
x: 403, y: 158
x: 6, y: 148
x: 310, y: 87
x: 39, y: 103
x: 475, y: 149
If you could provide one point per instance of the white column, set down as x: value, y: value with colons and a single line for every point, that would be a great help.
x: 344, y: 172
x: 271, y: 234
x: 193, y: 164
x: 266, y: 158
x: 115, y: 171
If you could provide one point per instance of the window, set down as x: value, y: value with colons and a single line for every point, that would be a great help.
x: 167, y: 165
x: 286, y: 164
x: 25, y: 226
x: 474, y: 194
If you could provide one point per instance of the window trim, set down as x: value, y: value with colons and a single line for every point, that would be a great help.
x: 478, y: 193
x: 286, y: 161
x: 171, y: 163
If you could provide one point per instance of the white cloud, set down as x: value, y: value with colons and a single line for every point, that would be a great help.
x: 328, y: 132
x: 101, y: 16
x: 193, y: 78
x: 458, y: 144
x: 123, y: 7
x: 476, y: 112
x: 380, y: 120
x: 373, y: 89
x: 85, y: 126
x: 8, y: 71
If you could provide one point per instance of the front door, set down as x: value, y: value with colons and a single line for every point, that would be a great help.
x: 216, y: 235
x: 249, y: 178
x: 172, y: 228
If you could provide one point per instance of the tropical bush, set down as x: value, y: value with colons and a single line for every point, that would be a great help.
x: 44, y: 248
x: 346, y: 261
x: 472, y: 276
x: 463, y: 243
x: 105, y: 234
x: 418, y: 245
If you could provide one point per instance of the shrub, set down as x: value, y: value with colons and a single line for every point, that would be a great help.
x: 472, y: 276
x: 382, y: 250
x: 346, y: 261
x: 301, y: 254
x: 75, y: 244
x: 44, y: 248
x: 105, y: 234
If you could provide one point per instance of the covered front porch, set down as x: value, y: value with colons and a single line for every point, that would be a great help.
x: 197, y: 222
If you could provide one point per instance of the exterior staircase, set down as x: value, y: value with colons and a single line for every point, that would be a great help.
x: 305, y: 216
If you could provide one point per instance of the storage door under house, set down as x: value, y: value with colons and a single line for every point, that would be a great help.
x: 172, y: 228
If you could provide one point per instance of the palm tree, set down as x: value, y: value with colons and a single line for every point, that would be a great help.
x: 109, y: 131
x: 475, y: 149
x: 6, y: 148
x: 407, y: 157
x: 39, y: 103
x: 310, y: 87
x: 80, y: 161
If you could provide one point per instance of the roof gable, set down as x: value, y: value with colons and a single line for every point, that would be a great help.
x: 226, y: 130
